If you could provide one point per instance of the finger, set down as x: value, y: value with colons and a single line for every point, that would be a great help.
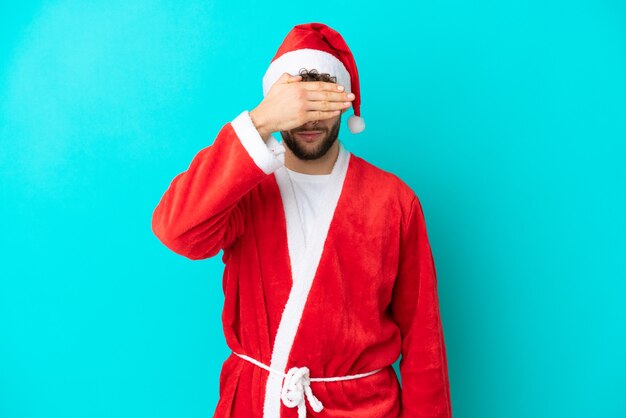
x: 284, y: 77
x: 322, y: 86
x: 320, y: 115
x: 326, y: 105
x: 293, y: 79
x: 331, y: 96
x: 287, y: 78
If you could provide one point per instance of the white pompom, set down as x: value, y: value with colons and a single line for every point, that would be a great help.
x: 356, y: 124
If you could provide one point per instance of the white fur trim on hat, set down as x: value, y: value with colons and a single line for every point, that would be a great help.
x: 291, y: 62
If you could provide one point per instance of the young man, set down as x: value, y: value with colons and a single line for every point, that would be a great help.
x: 329, y: 275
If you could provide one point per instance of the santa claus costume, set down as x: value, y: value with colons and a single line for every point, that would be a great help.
x: 320, y: 298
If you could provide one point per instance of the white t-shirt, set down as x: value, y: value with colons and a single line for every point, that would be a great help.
x: 309, y: 190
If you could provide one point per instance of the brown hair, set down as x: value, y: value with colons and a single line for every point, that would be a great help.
x: 313, y: 75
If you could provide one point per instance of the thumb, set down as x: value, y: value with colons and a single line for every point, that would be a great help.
x: 287, y: 78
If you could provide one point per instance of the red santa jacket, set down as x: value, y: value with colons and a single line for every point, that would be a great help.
x: 361, y: 293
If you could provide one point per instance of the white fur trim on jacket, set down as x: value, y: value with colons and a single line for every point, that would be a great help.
x: 270, y: 155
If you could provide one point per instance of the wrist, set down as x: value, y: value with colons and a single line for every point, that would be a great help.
x: 260, y: 124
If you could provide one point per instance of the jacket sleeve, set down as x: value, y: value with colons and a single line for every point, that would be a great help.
x: 415, y: 308
x: 201, y: 212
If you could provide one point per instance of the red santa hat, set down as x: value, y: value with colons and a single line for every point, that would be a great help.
x: 315, y: 45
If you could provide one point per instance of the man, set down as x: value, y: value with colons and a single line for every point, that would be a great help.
x: 329, y: 274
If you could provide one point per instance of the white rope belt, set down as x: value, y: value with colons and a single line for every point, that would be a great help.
x: 297, y: 384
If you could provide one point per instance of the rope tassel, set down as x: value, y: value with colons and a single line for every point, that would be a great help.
x: 296, y: 385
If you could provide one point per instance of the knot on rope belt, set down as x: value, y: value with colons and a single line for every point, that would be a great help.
x: 297, y: 385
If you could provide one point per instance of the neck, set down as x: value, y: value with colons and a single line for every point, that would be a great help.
x: 323, y: 165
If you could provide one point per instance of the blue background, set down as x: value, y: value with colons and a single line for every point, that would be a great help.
x: 508, y: 119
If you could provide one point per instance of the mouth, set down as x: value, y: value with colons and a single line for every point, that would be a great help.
x: 309, y: 136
